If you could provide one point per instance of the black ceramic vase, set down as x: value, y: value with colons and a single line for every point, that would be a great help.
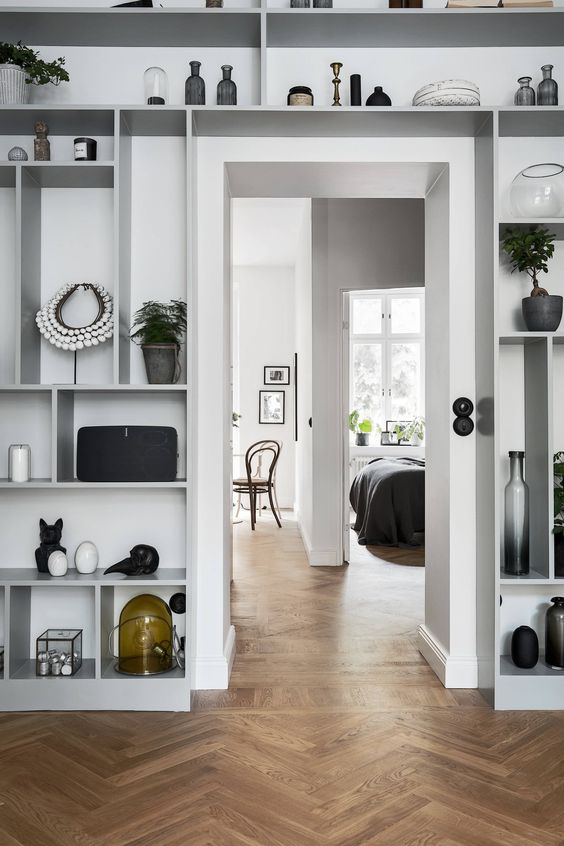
x: 379, y: 98
x: 524, y: 647
x: 554, y: 634
x: 195, y: 87
x: 542, y: 314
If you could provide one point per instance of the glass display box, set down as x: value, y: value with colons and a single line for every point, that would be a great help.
x: 59, y: 652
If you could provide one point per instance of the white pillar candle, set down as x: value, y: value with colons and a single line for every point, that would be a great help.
x: 19, y: 463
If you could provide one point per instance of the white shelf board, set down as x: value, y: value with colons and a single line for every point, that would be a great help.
x: 533, y: 577
x: 71, y: 174
x: 508, y: 668
x: 74, y: 484
x: 521, y: 338
x: 414, y: 27
x: 27, y: 672
x: 554, y: 224
x: 107, y: 27
x: 155, y: 120
x: 30, y: 577
x: 140, y: 389
x: 343, y: 122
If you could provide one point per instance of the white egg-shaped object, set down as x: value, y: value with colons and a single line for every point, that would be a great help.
x: 86, y: 557
x: 57, y: 563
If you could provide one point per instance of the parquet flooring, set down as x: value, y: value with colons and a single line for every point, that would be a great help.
x: 334, y: 733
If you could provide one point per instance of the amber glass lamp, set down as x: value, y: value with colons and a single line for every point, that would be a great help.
x: 145, y: 637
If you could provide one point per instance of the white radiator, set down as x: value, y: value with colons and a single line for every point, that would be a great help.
x: 357, y: 462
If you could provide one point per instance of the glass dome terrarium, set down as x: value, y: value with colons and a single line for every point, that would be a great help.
x: 538, y: 191
x: 146, y: 637
x: 156, y: 87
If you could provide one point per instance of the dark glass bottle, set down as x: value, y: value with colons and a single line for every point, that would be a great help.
x: 547, y: 92
x: 516, y: 519
x: 195, y: 87
x: 226, y: 88
x: 525, y: 95
x: 554, y: 634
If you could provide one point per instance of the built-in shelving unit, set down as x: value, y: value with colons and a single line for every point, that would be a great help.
x: 113, y: 212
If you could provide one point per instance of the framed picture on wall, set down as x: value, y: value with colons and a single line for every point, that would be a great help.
x: 275, y: 374
x: 272, y: 407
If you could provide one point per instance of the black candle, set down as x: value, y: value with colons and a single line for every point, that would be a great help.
x: 85, y: 150
x: 356, y: 97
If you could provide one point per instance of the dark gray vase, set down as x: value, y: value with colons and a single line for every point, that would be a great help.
x: 161, y: 363
x: 226, y: 88
x: 195, y: 87
x: 362, y: 439
x: 554, y: 634
x: 542, y: 314
x: 524, y: 647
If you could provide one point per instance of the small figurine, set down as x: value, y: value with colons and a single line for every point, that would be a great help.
x: 143, y: 560
x: 41, y: 144
x: 49, y: 537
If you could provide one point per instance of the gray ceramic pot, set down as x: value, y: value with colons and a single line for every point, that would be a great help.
x: 542, y: 314
x: 362, y: 439
x: 161, y: 363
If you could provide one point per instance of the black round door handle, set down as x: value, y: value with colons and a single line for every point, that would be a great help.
x: 310, y: 423
x: 463, y: 407
x: 463, y: 426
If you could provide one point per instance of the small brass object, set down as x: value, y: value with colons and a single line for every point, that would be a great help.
x: 336, y: 68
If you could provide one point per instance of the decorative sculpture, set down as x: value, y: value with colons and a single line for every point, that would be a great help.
x: 336, y: 68
x: 49, y: 537
x: 41, y: 145
x: 142, y: 561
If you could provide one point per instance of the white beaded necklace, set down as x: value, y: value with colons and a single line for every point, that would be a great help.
x: 50, y: 321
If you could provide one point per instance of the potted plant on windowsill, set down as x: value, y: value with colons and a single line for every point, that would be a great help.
x: 414, y: 432
x: 529, y: 251
x: 159, y: 329
x: 361, y: 428
x: 21, y: 67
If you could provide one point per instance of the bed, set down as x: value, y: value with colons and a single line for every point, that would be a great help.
x: 388, y: 497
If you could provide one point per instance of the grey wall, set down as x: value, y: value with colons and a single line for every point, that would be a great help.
x: 356, y: 244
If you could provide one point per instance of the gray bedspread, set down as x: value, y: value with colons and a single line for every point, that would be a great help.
x: 388, y: 496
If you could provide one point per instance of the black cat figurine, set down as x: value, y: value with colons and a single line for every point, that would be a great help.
x: 49, y: 537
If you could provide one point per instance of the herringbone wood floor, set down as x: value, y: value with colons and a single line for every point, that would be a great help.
x: 335, y: 733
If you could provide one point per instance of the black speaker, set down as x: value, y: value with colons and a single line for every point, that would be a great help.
x: 126, y: 454
x: 463, y: 407
x: 462, y: 424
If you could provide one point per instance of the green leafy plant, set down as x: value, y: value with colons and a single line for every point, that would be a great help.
x: 235, y: 417
x: 414, y: 429
x: 159, y: 323
x: 529, y: 252
x: 558, y: 469
x: 37, y: 71
x: 357, y: 425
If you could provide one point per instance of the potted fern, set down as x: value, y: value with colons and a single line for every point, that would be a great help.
x: 529, y: 251
x: 361, y: 428
x: 21, y: 67
x: 159, y: 328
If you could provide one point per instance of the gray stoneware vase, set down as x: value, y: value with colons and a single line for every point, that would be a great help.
x: 542, y: 314
x: 161, y: 363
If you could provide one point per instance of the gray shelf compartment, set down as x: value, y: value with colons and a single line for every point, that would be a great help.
x: 554, y: 224
x: 27, y: 418
x: 30, y: 577
x: 143, y: 408
x: 533, y: 577
x: 153, y: 121
x: 346, y: 122
x: 532, y: 121
x: 72, y: 120
x: 26, y: 671
x: 414, y: 27
x: 110, y: 673
x: 70, y: 174
x: 99, y: 27
x: 508, y: 668
x: 8, y: 172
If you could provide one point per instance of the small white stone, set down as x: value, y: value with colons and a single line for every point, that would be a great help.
x: 79, y: 345
x: 87, y: 342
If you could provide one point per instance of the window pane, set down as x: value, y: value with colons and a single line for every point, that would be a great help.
x: 367, y: 316
x: 367, y: 382
x: 406, y: 315
x: 405, y: 372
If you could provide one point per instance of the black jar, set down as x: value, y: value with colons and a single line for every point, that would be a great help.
x: 85, y: 149
x: 554, y: 634
x: 300, y: 95
x: 524, y: 647
x: 379, y: 98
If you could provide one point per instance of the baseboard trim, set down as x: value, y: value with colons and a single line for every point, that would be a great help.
x: 452, y: 671
x: 212, y: 673
x: 318, y: 557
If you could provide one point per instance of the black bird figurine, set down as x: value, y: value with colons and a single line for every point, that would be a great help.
x: 143, y: 560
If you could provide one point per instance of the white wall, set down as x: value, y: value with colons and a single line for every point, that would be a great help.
x: 266, y: 330
x: 357, y: 244
x: 304, y: 348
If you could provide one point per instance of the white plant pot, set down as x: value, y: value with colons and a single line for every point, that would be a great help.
x: 13, y: 87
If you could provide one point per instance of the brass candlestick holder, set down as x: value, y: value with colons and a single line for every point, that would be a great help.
x: 336, y: 68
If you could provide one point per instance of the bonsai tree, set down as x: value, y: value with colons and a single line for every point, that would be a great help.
x: 36, y: 70
x: 529, y: 252
x: 159, y: 323
x: 159, y: 329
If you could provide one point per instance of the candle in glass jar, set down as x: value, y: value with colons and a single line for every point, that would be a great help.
x: 19, y: 463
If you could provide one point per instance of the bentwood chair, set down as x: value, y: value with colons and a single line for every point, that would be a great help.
x: 261, y: 462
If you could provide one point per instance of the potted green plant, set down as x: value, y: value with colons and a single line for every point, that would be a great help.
x: 529, y: 251
x: 558, y: 530
x: 21, y: 67
x: 361, y: 428
x: 159, y: 329
x: 413, y: 432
